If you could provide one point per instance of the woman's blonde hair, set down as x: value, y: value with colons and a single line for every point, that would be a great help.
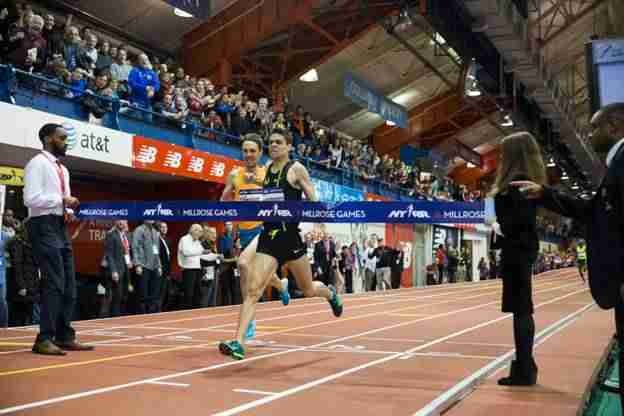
x: 519, y: 156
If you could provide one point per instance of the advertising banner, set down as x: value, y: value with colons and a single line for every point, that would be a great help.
x: 162, y: 157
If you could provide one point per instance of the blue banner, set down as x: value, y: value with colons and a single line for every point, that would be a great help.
x: 421, y: 212
x: 198, y: 8
x: 362, y: 94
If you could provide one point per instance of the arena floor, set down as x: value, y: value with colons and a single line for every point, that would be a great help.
x: 403, y: 352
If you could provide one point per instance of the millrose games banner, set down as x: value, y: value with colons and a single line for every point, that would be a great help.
x: 424, y: 212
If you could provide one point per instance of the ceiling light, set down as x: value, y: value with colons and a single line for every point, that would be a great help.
x: 390, y: 123
x: 565, y: 177
x: 470, y: 165
x: 473, y: 93
x: 575, y: 187
x: 437, y: 38
x: 551, y: 163
x: 310, y: 76
x: 182, y: 13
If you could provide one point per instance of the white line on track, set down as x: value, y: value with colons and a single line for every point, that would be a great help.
x: 262, y: 393
x: 168, y: 383
x: 454, y: 289
x: 470, y: 383
x: 102, y: 390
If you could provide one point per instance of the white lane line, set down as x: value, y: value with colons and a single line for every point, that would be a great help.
x: 168, y: 383
x: 169, y: 336
x: 455, y: 288
x: 470, y: 383
x: 302, y: 303
x: 484, y: 344
x: 262, y: 393
x: 306, y: 386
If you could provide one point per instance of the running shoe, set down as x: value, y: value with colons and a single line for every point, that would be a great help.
x: 232, y: 349
x: 284, y: 293
x: 251, y: 330
x: 335, y: 302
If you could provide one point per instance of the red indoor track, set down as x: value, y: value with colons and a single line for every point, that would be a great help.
x: 391, y: 353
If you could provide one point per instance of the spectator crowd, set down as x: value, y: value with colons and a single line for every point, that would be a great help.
x: 85, y: 65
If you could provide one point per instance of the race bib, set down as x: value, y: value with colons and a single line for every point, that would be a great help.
x: 209, y: 273
x: 273, y: 195
x: 262, y: 195
x: 127, y: 258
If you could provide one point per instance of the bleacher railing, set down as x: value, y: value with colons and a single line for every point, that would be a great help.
x: 50, y: 95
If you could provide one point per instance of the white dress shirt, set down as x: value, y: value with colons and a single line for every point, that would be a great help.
x: 42, y: 186
x: 189, y: 252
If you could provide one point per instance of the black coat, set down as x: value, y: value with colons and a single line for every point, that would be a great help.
x: 24, y: 271
x: 603, y: 217
x: 517, y: 217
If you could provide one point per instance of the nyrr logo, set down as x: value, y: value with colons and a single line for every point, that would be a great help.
x: 410, y: 212
x: 275, y: 211
x: 158, y: 211
x: 72, y: 136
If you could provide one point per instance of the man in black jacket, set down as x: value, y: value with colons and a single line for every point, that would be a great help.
x: 603, y: 216
x: 165, y: 262
x: 324, y: 255
x: 117, y: 261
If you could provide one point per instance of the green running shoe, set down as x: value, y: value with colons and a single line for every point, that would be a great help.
x: 233, y: 349
x: 335, y: 302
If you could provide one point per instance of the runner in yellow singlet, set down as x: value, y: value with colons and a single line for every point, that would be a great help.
x: 581, y: 258
x: 245, y: 184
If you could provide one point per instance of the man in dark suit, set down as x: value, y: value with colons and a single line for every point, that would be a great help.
x: 397, y: 266
x: 118, y: 263
x: 324, y: 255
x: 165, y: 261
x: 603, y: 216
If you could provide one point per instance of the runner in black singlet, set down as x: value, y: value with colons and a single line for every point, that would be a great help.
x: 280, y: 243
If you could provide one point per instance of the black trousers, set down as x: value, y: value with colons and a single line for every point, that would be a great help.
x: 191, y: 283
x: 20, y: 312
x: 229, y: 285
x: 148, y: 291
x: 117, y: 293
x: 53, y: 253
x: 348, y: 276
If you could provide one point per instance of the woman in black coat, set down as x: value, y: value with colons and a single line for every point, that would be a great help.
x: 516, y: 236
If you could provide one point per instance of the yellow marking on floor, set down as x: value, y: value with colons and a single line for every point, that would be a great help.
x: 183, y: 347
x: 16, y: 344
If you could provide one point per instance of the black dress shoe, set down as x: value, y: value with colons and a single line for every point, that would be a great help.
x: 47, y: 348
x: 74, y: 346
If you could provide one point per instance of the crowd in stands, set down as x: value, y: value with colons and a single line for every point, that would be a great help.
x: 86, y: 65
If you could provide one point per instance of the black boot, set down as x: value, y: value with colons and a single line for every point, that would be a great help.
x: 521, y: 374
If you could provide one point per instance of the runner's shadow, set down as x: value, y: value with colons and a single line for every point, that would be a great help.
x: 262, y: 368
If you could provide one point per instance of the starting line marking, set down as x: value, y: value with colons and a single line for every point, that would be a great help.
x: 262, y: 393
x: 168, y: 383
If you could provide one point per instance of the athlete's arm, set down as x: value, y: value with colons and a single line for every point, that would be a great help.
x: 228, y: 191
x: 304, y: 182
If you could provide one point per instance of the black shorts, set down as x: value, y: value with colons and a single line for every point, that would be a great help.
x: 284, y: 246
x: 581, y: 263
